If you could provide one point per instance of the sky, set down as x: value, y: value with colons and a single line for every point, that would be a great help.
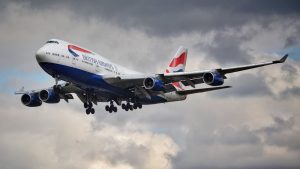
x: 254, y: 124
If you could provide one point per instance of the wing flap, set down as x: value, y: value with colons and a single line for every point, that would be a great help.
x: 193, y: 91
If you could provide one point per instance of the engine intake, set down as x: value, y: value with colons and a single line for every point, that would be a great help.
x: 154, y: 84
x: 31, y: 100
x: 213, y: 78
x: 49, y: 96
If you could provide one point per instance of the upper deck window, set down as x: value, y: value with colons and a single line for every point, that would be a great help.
x: 52, y: 41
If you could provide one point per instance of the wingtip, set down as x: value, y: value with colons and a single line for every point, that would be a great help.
x: 284, y: 58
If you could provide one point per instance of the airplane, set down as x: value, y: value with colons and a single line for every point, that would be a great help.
x: 94, y: 78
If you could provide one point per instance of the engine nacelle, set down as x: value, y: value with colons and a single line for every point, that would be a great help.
x: 31, y: 100
x: 213, y: 78
x: 154, y: 84
x: 49, y: 96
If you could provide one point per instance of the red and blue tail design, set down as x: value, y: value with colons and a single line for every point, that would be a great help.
x: 177, y: 64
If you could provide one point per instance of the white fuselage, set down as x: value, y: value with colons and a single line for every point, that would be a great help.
x: 65, y: 59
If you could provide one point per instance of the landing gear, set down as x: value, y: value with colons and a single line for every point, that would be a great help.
x: 111, y: 108
x: 129, y: 106
x: 89, y: 108
x: 88, y: 105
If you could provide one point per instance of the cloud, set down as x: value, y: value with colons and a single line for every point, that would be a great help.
x: 72, y: 140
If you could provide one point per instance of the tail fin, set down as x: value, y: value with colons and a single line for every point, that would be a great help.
x: 177, y: 64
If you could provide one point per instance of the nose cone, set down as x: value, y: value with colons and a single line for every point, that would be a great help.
x: 40, y: 55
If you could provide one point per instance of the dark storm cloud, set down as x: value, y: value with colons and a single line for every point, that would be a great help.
x: 282, y: 133
x: 227, y: 50
x: 175, y: 16
x: 294, y: 39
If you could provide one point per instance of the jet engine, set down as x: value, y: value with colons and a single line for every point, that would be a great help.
x: 49, y: 96
x: 154, y: 84
x: 213, y: 78
x: 31, y: 100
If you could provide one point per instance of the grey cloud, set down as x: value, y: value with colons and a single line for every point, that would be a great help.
x: 291, y: 91
x: 151, y: 16
x: 246, y: 85
x: 294, y: 39
x: 227, y: 49
x: 290, y: 72
x: 282, y: 133
x: 236, y: 136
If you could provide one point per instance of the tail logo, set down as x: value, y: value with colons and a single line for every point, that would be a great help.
x: 73, y: 48
x: 177, y: 64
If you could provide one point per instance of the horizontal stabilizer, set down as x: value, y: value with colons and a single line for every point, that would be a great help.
x: 186, y: 92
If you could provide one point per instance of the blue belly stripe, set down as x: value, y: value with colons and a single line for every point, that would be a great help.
x: 90, y: 80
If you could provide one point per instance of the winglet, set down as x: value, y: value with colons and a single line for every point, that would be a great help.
x: 282, y: 59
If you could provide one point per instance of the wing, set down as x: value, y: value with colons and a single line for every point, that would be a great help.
x: 191, y: 78
x: 186, y: 78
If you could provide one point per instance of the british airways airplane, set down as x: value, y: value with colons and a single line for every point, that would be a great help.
x: 94, y: 79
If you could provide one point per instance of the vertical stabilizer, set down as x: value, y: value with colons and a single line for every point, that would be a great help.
x: 177, y: 64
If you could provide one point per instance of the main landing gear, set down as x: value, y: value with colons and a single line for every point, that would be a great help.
x: 111, y: 108
x: 129, y: 106
x: 89, y: 108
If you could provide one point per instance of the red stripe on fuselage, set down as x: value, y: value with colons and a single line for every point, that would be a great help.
x: 78, y: 49
x: 179, y: 60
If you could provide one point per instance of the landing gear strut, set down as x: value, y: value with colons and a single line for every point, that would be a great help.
x: 88, y: 104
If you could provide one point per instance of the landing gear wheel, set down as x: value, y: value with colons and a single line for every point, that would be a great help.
x: 87, y: 111
x: 107, y: 108
x: 140, y: 105
x: 85, y: 105
x: 92, y: 110
x: 115, y: 109
x: 134, y: 106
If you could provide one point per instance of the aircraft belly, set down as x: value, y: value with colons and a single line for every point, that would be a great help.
x: 81, y: 77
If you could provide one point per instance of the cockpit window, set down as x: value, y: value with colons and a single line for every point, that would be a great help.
x: 52, y: 41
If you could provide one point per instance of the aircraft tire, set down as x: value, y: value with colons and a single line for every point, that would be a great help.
x: 85, y: 105
x: 107, y: 108
x: 87, y: 111
x: 92, y: 110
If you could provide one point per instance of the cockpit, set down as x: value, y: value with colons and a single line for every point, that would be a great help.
x: 52, y: 41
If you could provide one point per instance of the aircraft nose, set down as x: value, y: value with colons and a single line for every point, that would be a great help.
x: 40, y: 54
